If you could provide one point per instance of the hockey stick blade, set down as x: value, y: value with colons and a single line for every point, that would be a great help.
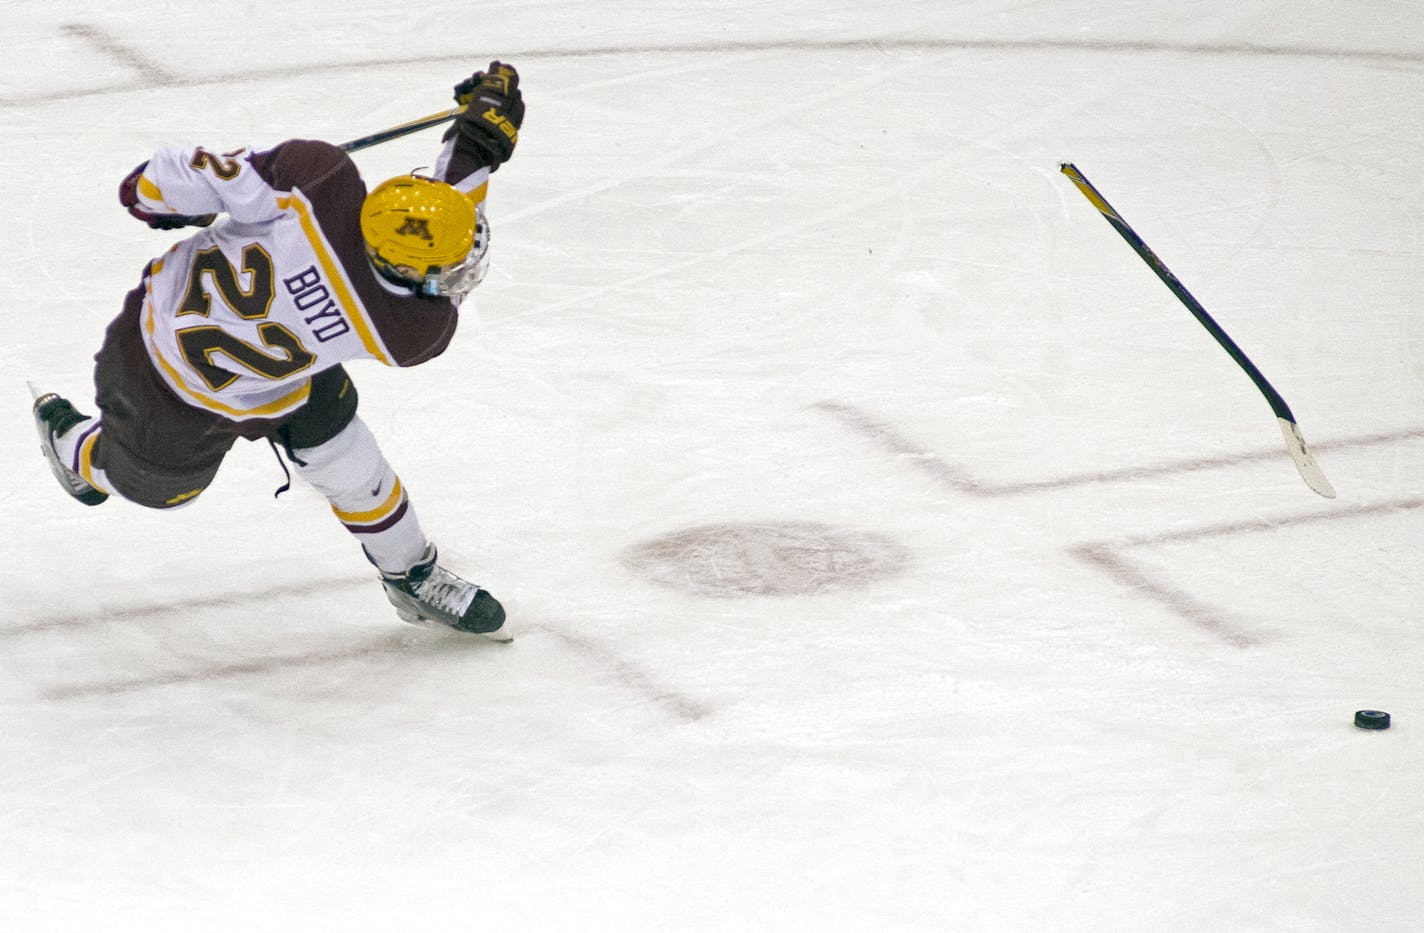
x: 1304, y: 461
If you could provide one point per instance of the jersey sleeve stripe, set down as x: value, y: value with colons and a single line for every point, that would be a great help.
x: 148, y: 189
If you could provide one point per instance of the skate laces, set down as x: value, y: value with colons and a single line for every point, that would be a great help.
x: 444, y: 591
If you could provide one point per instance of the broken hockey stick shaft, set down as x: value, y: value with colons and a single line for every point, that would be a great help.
x: 1295, y: 443
x: 404, y: 129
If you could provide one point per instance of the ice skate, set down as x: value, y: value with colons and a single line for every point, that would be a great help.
x: 428, y: 592
x: 54, y: 416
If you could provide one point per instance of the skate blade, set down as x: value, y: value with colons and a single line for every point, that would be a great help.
x: 498, y: 635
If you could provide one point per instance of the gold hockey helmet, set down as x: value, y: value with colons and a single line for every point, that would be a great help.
x: 425, y: 234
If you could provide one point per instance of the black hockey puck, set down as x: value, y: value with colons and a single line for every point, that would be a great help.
x: 1372, y: 719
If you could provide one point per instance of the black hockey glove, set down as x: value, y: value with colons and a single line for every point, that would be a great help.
x: 128, y: 197
x: 494, y: 109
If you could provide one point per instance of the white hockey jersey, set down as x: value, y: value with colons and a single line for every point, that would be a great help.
x: 239, y: 316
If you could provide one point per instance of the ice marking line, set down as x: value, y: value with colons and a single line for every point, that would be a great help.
x: 888, y: 436
x: 151, y: 71
x: 103, y: 615
x: 1178, y: 601
x: 885, y: 435
x: 1108, y: 557
x: 159, y: 77
x: 267, y: 665
x: 683, y: 707
x: 1224, y: 529
x: 629, y: 675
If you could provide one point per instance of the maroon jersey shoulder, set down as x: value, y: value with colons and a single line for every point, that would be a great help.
x: 413, y: 329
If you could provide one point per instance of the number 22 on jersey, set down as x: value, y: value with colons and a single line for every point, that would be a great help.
x: 281, y: 354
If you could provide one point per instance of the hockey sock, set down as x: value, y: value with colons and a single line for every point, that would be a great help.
x: 75, y: 449
x: 366, y: 496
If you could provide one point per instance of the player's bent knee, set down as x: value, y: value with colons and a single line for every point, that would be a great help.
x: 328, y: 412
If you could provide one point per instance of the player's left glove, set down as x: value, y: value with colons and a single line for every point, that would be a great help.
x: 494, y: 110
x: 128, y: 197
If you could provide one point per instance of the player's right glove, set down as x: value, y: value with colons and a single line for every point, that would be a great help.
x: 494, y: 110
x: 128, y: 197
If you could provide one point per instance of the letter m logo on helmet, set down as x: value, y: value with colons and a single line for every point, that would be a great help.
x: 414, y: 221
x: 417, y: 227
x: 421, y: 232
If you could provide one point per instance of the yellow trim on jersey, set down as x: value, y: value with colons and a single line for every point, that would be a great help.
x: 376, y: 514
x: 334, y: 274
x: 478, y: 194
x: 272, y: 409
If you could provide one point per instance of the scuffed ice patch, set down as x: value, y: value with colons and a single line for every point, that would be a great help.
x: 766, y: 559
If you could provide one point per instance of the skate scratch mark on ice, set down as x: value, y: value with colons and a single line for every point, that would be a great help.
x: 868, y: 45
x: 150, y: 71
x: 187, y: 604
x: 889, y: 437
x: 629, y: 675
x: 733, y: 247
x: 1108, y: 557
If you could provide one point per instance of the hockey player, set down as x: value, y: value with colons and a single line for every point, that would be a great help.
x: 241, y: 330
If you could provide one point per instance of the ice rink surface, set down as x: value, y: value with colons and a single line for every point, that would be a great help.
x: 887, y: 548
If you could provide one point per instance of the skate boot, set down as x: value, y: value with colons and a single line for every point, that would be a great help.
x: 53, y: 417
x: 428, y: 592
